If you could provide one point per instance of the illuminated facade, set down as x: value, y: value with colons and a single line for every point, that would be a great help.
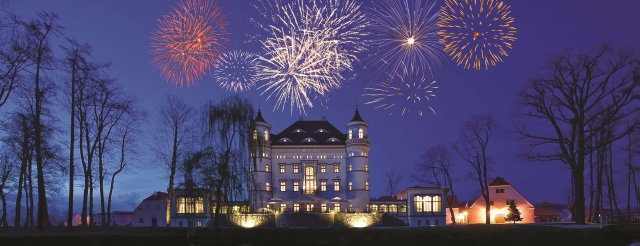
x: 500, y: 194
x: 415, y: 206
x: 311, y: 166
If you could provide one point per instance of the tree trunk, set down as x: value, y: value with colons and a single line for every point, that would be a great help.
x: 101, y: 180
x: 72, y: 141
x: 172, y: 173
x: 18, y: 213
x: 578, y: 179
x: 31, y: 217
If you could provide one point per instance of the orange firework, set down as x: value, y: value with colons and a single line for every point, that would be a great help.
x: 476, y: 33
x: 188, y: 41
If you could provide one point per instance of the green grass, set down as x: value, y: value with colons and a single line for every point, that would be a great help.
x: 450, y: 235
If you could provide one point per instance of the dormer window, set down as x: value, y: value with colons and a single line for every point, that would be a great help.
x: 321, y: 131
x: 360, y: 133
x: 285, y: 140
x: 309, y: 140
x: 299, y: 131
x: 333, y: 140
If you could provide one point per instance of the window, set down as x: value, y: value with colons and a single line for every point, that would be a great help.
x: 510, y: 201
x: 267, y: 186
x: 296, y: 186
x: 350, y: 185
x: 491, y: 203
x: 336, y: 168
x: 282, y: 168
x: 366, y: 167
x: 426, y: 203
x: 350, y: 134
x: 350, y: 167
x: 427, y: 222
x: 309, y: 180
x: 436, y: 222
x: 190, y: 205
x: 393, y: 208
x: 323, y: 168
x: 296, y: 168
x: 255, y: 135
x: 141, y: 220
x: 323, y: 185
x: 499, y: 190
x: 283, y: 207
x: 336, y: 207
x: 296, y: 207
x: 199, y: 223
x: 283, y: 186
x: 266, y: 167
x: 366, y: 185
x: 323, y: 208
x: 360, y: 133
x: 266, y: 135
x: 336, y: 185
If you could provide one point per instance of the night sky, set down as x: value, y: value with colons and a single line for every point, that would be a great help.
x: 119, y: 31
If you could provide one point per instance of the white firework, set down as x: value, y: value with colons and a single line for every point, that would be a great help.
x: 237, y: 71
x: 405, y: 34
x: 410, y: 93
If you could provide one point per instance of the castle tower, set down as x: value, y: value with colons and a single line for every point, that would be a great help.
x: 261, y: 170
x: 357, y: 162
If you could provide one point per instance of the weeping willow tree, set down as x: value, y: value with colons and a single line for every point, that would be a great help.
x: 227, y: 162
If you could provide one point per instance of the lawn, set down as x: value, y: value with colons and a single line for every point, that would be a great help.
x: 450, y: 235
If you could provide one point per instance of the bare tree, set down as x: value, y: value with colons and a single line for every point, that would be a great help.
x: 580, y: 95
x: 435, y: 169
x: 173, y: 139
x: 392, y: 180
x: 6, y: 178
x: 473, y: 149
x: 14, y: 51
x: 18, y: 138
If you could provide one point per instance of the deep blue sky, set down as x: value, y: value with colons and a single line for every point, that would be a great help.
x: 119, y: 31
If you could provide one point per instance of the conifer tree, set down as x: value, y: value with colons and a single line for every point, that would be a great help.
x: 514, y: 213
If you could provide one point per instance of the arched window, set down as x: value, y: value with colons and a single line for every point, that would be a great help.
x: 255, y: 135
x: 350, y: 134
x: 266, y: 135
x: 267, y: 186
x: 360, y: 133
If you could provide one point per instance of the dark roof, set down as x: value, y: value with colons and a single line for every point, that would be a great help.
x: 259, y: 117
x: 300, y: 130
x: 356, y: 116
x: 498, y: 181
x: 157, y: 196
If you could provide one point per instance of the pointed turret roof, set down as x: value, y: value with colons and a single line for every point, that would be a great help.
x: 356, y: 116
x: 259, y: 117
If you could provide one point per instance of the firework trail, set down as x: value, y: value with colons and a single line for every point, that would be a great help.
x: 188, y: 41
x: 237, y: 71
x: 411, y: 92
x: 477, y: 33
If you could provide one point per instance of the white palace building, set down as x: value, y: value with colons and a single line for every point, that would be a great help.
x: 312, y: 166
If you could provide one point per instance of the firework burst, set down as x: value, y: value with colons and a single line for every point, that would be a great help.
x: 308, y: 47
x: 297, y: 69
x: 411, y: 93
x: 405, y: 34
x: 236, y: 71
x: 476, y: 33
x: 188, y: 41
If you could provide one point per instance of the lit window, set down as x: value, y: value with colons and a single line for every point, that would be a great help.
x: 309, y: 180
x: 360, y: 133
x: 350, y: 185
x: 336, y: 207
x: 428, y: 203
x: 323, y: 168
x: 336, y: 185
x: 296, y: 168
x: 190, y: 205
x: 366, y: 185
x: 350, y: 134
x: 323, y: 185
x: 296, y: 186
x: 366, y: 167
x: 266, y: 167
x: 336, y: 168
x: 199, y: 224
x: 296, y: 207
x: 323, y: 208
x: 283, y: 207
x: 267, y: 186
x: 282, y: 168
x: 255, y: 135
x: 266, y: 135
x: 283, y: 186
